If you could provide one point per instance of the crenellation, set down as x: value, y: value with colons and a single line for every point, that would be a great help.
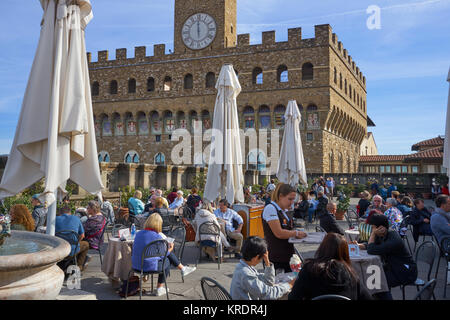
x: 159, y: 50
x: 345, y: 53
x: 121, y: 54
x: 243, y: 40
x: 323, y: 34
x: 89, y: 57
x: 295, y: 36
x: 268, y: 38
x: 102, y: 56
x: 140, y: 52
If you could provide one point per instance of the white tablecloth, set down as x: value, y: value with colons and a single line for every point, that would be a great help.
x: 312, y: 237
x: 117, y: 260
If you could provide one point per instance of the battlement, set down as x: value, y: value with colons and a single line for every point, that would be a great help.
x: 323, y: 36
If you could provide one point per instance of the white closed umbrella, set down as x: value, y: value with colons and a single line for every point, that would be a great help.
x: 291, y: 164
x: 225, y: 177
x: 446, y: 163
x: 55, y: 135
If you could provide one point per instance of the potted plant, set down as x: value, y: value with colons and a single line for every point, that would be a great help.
x: 342, y: 207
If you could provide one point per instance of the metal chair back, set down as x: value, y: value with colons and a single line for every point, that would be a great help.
x: 426, y: 253
x: 426, y: 293
x: 155, y: 249
x: 330, y: 297
x: 210, y: 229
x: 212, y: 290
x: 179, y: 234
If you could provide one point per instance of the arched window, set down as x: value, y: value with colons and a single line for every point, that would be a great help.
x: 261, y: 161
x: 264, y: 117
x: 167, y: 83
x: 340, y: 80
x: 194, y: 121
x: 345, y: 86
x: 350, y: 90
x: 188, y: 81
x: 156, y: 122
x: 181, y: 120
x: 106, y: 126
x: 282, y: 74
x: 132, y: 157
x: 132, y: 85
x: 210, y: 80
x: 160, y: 159
x: 118, y: 125
x: 95, y: 88
x: 113, y: 87
x: 169, y: 122
x: 249, y: 117
x: 307, y: 71
x: 130, y: 124
x: 335, y: 75
x: 257, y: 76
x: 279, y: 116
x: 206, y: 120
x: 150, y: 84
x: 103, y: 156
x: 142, y: 124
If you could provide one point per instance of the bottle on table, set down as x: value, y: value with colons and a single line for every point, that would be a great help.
x: 133, y: 231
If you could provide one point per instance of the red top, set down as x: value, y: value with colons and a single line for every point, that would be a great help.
x: 445, y: 190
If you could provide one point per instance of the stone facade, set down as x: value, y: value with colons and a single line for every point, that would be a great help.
x: 139, y: 100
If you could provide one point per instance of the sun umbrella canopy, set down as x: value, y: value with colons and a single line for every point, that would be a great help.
x: 55, y: 136
x: 291, y: 165
x: 225, y: 177
x: 446, y: 163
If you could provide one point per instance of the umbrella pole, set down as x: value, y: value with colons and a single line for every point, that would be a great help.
x: 51, y: 218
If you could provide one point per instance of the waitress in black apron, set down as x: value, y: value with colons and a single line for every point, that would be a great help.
x: 278, y: 226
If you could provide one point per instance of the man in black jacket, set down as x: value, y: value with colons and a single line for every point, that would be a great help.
x: 322, y: 205
x: 420, y: 220
x: 328, y: 221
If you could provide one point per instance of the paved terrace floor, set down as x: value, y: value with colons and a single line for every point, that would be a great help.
x: 95, y: 282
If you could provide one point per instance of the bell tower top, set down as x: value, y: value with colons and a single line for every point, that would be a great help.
x: 204, y: 25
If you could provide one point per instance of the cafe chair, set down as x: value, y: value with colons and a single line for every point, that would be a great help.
x: 210, y: 229
x: 425, y: 253
x: 73, y: 239
x: 330, y: 297
x: 212, y: 290
x: 157, y: 248
x: 427, y: 291
x: 444, y: 250
x: 179, y: 234
x: 188, y: 213
x: 101, y: 242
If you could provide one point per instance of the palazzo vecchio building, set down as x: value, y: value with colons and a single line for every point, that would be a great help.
x: 139, y: 101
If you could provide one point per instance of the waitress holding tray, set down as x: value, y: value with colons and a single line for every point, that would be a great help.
x: 278, y: 226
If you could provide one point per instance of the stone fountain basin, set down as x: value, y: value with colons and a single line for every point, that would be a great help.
x: 33, y: 276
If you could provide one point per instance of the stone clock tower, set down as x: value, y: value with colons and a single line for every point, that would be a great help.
x: 204, y: 25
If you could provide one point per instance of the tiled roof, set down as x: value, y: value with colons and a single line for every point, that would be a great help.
x: 380, y: 158
x: 438, y: 141
x: 429, y: 154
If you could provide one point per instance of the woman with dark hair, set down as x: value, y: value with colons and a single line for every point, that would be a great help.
x: 398, y: 264
x: 301, y: 210
x: 330, y: 272
x: 278, y: 226
x: 193, y: 200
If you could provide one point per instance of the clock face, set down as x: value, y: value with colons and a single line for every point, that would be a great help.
x: 199, y: 31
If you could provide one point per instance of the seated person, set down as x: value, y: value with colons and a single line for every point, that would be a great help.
x: 226, y: 215
x: 394, y: 215
x: 399, y: 266
x: 406, y: 206
x: 21, y: 218
x: 94, y: 225
x: 301, y: 210
x: 420, y: 220
x: 178, y: 201
x: 312, y: 205
x: 171, y: 197
x: 209, y: 242
x: 153, y: 227
x: 106, y: 209
x: 39, y: 213
x: 158, y: 207
x: 135, y: 205
x: 193, y: 200
x: 363, y: 203
x: 329, y: 272
x: 440, y: 219
x: 159, y: 193
x: 377, y: 204
x: 322, y: 202
x: 66, y: 221
x: 248, y: 283
x: 328, y: 221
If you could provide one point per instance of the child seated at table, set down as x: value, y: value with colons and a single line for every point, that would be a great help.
x: 248, y: 283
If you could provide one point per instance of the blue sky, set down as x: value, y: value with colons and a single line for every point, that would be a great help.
x: 405, y: 62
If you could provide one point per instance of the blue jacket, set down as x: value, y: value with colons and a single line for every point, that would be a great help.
x: 142, y: 239
x: 390, y: 189
x: 439, y: 224
x: 406, y: 211
x: 136, y: 206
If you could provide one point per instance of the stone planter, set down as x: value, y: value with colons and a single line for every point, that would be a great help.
x: 32, y: 274
x: 340, y: 215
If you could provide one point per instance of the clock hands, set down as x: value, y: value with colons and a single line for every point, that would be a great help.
x: 198, y: 29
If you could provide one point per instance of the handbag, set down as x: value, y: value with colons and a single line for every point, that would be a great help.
x: 133, y: 287
x: 190, y: 232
